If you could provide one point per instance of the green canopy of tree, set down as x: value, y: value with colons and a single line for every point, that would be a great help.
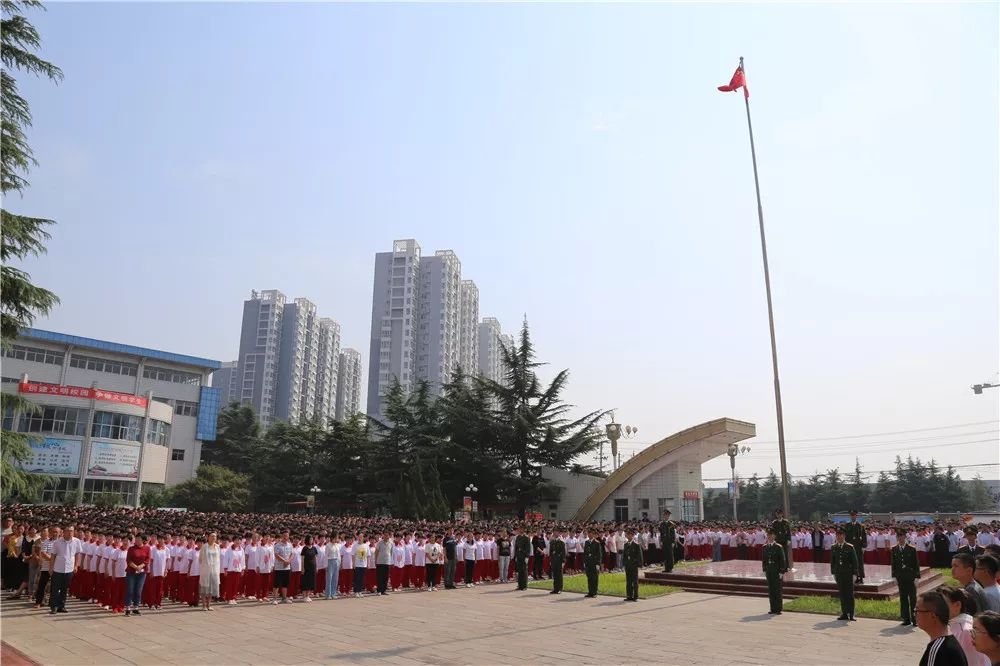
x: 213, y: 489
x: 22, y: 236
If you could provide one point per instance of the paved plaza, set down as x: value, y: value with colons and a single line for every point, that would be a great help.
x: 483, y: 625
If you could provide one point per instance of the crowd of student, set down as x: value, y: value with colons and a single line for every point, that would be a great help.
x: 128, y: 560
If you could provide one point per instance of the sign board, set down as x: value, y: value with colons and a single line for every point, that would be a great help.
x: 691, y: 494
x: 475, y: 506
x: 53, y: 456
x: 733, y: 490
x: 310, y: 501
x: 467, y: 503
x: 113, y: 461
x: 39, y: 388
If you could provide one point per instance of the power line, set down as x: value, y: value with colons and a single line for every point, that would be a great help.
x: 864, y: 474
x: 879, y: 434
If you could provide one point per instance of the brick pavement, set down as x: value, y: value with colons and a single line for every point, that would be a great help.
x: 483, y: 625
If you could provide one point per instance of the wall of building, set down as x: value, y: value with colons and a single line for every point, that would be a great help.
x: 574, y: 490
x: 664, y: 488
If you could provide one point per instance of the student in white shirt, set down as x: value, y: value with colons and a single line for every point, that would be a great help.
x: 66, y: 551
x: 434, y: 555
x: 332, y: 551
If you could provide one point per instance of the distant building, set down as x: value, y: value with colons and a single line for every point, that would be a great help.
x: 349, y: 384
x: 113, y: 418
x: 468, y: 328
x: 327, y: 370
x: 225, y: 379
x: 260, y: 345
x: 393, y: 350
x: 490, y: 359
x: 288, y: 360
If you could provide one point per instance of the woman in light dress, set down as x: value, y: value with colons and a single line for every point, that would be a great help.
x: 209, y: 561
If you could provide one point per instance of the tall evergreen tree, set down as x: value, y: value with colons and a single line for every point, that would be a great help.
x: 952, y: 494
x: 534, y: 427
x: 857, y: 492
x: 236, y: 441
x: 21, y: 236
x: 980, y: 498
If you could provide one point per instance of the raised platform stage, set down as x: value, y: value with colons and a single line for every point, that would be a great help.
x: 744, y: 577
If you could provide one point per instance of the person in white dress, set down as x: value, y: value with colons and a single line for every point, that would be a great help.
x: 209, y: 570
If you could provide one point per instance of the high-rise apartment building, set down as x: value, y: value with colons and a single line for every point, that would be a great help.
x: 468, y: 328
x: 260, y: 344
x: 295, y: 398
x: 490, y: 358
x: 288, y: 360
x: 348, y: 384
x: 507, y: 340
x: 395, y: 305
x: 327, y: 370
x: 438, y: 344
x: 225, y: 379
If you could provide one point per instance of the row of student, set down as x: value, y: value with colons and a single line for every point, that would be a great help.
x: 933, y: 545
x: 122, y: 573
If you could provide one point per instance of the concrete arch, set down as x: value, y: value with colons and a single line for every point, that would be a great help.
x: 702, y: 442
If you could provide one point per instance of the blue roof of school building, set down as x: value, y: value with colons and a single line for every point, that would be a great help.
x: 104, y: 345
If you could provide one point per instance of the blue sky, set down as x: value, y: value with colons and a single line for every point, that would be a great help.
x: 582, y: 165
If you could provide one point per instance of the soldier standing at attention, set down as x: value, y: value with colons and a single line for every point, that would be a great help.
x: 906, y: 571
x: 783, y: 536
x: 592, y: 556
x: 856, y: 535
x: 522, y: 548
x: 631, y: 561
x: 844, y: 567
x: 668, y: 534
x: 773, y: 564
x: 557, y: 556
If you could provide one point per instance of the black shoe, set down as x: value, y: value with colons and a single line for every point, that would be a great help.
x: 554, y: 592
x: 777, y: 612
x: 591, y: 596
x: 904, y: 623
x: 52, y: 612
x: 853, y: 619
x: 842, y: 617
x: 61, y: 610
x: 772, y: 612
x: 127, y: 612
x: 136, y: 612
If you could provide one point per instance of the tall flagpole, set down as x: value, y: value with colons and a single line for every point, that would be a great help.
x: 770, y: 313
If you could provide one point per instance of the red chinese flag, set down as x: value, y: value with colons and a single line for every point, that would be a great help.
x: 738, y: 81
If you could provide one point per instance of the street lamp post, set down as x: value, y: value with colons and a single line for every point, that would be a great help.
x: 472, y: 490
x: 314, y: 490
x: 616, y: 431
x: 735, y: 450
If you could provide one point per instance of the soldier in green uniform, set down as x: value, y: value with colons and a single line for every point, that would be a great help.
x: 593, y: 555
x: 668, y: 534
x: 631, y: 560
x: 856, y: 535
x: 773, y: 564
x: 906, y: 571
x: 557, y: 557
x: 844, y: 567
x: 522, y: 548
x: 783, y: 536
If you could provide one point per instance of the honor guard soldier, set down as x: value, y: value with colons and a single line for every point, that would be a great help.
x: 668, y: 535
x: 631, y: 560
x: 783, y: 536
x: 856, y: 535
x: 593, y: 555
x: 773, y: 564
x: 557, y: 557
x: 906, y: 571
x: 522, y: 548
x: 844, y: 567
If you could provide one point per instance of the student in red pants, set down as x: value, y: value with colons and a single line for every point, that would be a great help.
x: 119, y: 565
x: 153, y: 590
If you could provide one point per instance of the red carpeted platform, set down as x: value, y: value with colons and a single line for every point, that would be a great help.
x: 745, y: 577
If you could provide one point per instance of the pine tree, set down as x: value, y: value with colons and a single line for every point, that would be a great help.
x: 857, y: 492
x: 980, y: 498
x: 952, y: 495
x: 534, y: 427
x: 21, y: 236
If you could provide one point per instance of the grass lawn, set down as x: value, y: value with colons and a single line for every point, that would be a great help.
x: 609, y: 584
x: 874, y: 608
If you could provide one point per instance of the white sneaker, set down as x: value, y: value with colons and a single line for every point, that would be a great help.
x: 274, y: 603
x: 308, y: 599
